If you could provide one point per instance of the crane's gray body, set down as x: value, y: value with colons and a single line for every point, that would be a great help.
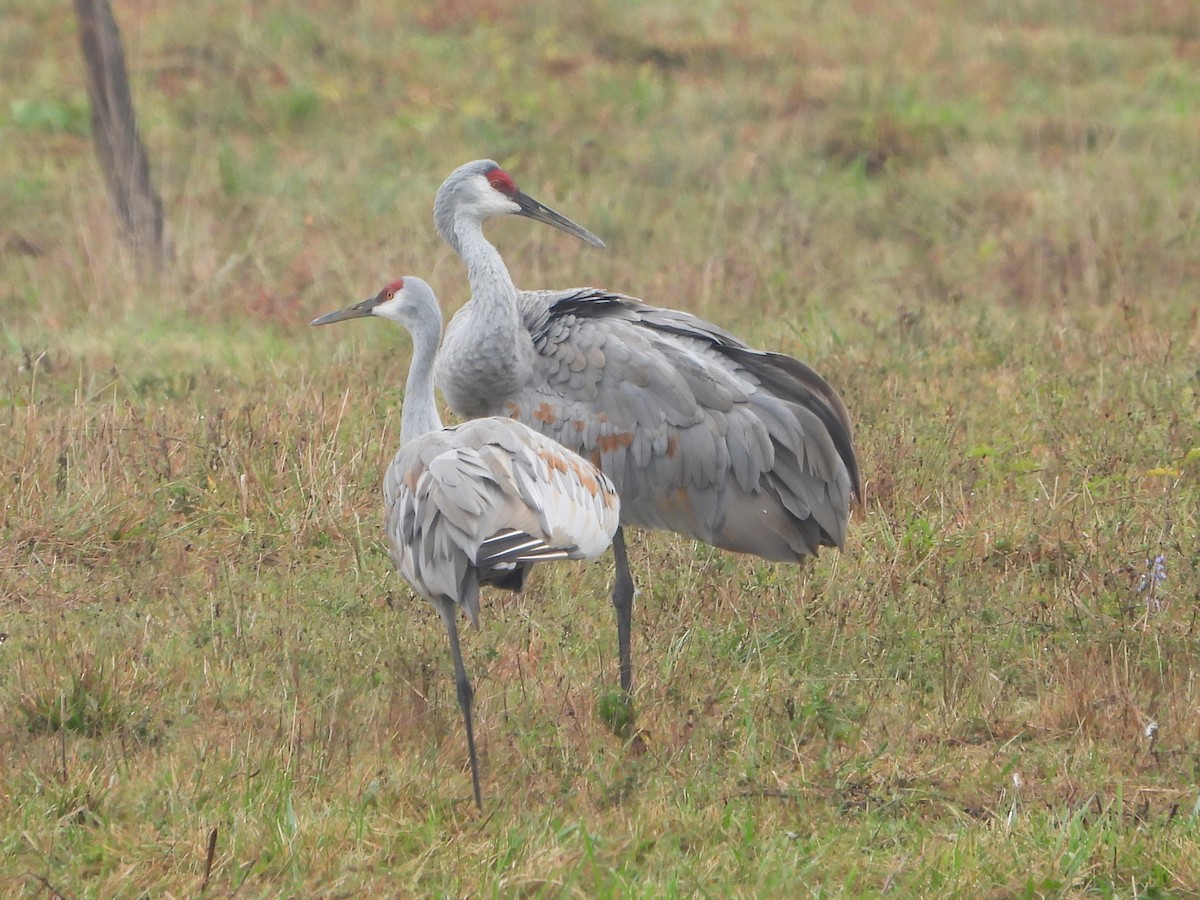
x: 702, y: 435
x: 746, y: 450
x: 470, y: 504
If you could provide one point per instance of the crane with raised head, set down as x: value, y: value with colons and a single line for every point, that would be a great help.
x: 478, y: 503
x: 703, y: 435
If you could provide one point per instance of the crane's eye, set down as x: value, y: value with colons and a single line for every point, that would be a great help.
x: 502, y: 181
x: 390, y: 295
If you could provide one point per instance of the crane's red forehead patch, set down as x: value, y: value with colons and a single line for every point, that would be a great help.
x: 502, y: 181
x: 396, y: 286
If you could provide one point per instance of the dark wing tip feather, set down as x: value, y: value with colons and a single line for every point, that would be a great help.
x: 590, y: 303
x: 817, y: 395
x: 510, y: 548
x: 793, y: 380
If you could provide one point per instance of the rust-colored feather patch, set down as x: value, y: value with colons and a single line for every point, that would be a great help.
x: 610, y: 443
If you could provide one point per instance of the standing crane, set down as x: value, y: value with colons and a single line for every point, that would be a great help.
x: 743, y: 449
x: 479, y: 503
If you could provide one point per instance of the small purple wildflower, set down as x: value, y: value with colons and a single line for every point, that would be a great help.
x: 1155, y: 574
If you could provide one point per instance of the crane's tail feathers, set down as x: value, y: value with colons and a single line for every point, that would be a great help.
x: 791, y: 380
x: 507, y: 545
x: 547, y: 555
x: 511, y: 547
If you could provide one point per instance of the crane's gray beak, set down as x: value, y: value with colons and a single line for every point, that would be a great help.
x: 539, y: 212
x: 357, y: 311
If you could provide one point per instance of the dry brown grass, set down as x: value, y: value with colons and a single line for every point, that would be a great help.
x: 980, y: 222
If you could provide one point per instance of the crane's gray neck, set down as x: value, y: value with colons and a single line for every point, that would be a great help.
x: 489, y: 276
x: 488, y: 354
x: 419, y: 413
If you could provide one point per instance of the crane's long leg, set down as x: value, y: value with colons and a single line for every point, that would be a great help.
x: 622, y: 600
x: 465, y: 694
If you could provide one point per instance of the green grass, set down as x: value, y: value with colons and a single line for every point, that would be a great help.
x: 980, y: 221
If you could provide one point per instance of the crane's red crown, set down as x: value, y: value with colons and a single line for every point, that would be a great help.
x: 502, y: 181
x: 394, y: 288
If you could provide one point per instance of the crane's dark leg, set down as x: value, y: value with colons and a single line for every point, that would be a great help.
x: 622, y: 600
x: 465, y: 695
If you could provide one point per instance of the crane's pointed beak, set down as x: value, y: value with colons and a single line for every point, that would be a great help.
x: 357, y: 311
x: 539, y: 212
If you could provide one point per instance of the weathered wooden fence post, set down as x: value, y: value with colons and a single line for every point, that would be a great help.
x: 114, y: 129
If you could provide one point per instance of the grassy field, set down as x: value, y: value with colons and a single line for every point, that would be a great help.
x: 980, y: 221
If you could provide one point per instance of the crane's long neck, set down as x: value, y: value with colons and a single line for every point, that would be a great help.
x: 489, y: 277
x: 488, y: 353
x: 419, y: 413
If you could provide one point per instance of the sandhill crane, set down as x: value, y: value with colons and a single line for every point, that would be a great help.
x: 478, y: 503
x: 703, y: 435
